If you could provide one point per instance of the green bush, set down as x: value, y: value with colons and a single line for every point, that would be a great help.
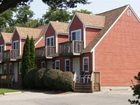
x: 39, y: 78
x: 29, y: 79
x: 58, y: 80
x: 67, y: 81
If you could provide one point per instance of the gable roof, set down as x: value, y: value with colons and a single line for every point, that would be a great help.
x: 111, y: 17
x: 7, y: 37
x: 60, y: 27
x: 43, y: 31
x: 31, y: 32
x: 90, y: 20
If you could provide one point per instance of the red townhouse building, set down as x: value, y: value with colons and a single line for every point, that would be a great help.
x: 55, y: 33
x: 13, y: 56
x: 101, y: 50
x: 5, y: 44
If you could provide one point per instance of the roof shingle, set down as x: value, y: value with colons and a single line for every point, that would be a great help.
x: 7, y: 37
x: 60, y: 27
x: 90, y: 20
x: 31, y: 32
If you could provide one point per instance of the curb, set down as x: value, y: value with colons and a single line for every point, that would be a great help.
x: 12, y: 93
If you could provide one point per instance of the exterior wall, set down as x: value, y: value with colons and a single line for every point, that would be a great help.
x: 117, y: 56
x: 62, y: 62
x: 89, y: 55
x: 15, y: 38
x: 41, y: 43
x: 1, y: 41
x: 50, y: 32
x: 39, y: 63
x: 91, y: 34
x: 8, y: 47
x: 75, y: 25
x: 62, y: 38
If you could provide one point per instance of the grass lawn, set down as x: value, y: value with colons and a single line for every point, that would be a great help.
x: 5, y: 90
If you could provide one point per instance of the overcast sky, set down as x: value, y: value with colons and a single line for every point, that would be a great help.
x: 96, y: 6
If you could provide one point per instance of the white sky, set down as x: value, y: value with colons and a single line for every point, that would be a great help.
x: 96, y: 6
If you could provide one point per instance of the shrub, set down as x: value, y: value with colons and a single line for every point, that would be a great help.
x: 39, y: 78
x: 51, y: 79
x: 29, y: 79
x: 67, y: 81
x: 58, y: 80
x: 136, y: 91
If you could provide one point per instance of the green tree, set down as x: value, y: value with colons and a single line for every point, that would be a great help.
x: 136, y: 91
x: 55, y: 4
x: 26, y: 64
x: 23, y: 14
x: 6, y: 21
x: 7, y: 4
x: 32, y: 54
x: 56, y: 15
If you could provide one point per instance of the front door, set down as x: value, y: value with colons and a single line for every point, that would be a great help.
x: 16, y: 72
x: 76, y: 67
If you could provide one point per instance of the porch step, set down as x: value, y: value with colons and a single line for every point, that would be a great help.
x: 80, y: 87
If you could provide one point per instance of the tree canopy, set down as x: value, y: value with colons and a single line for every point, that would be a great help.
x: 7, y: 4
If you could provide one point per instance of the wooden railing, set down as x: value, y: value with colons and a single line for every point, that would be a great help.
x: 71, y: 47
x: 40, y: 52
x: 14, y: 53
x: 1, y: 57
x: 6, y: 55
x: 50, y: 51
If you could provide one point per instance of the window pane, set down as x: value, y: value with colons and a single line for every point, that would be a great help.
x: 73, y: 36
x: 48, y: 42
x: 67, y: 65
x: 57, y: 64
x: 52, y: 42
x: 86, y: 66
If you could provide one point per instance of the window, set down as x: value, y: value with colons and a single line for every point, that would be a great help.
x: 67, y: 65
x: 1, y: 48
x: 76, y: 35
x: 50, y: 41
x: 43, y: 64
x: 5, y: 67
x: 15, y: 45
x: 57, y: 64
x: 85, y: 64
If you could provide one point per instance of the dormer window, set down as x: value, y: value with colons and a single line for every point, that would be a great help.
x: 15, y: 45
x: 1, y: 48
x: 76, y: 35
x: 50, y: 41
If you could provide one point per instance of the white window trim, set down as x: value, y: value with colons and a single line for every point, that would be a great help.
x: 55, y: 63
x: 78, y: 30
x: 88, y: 63
x: 65, y: 63
x: 50, y: 38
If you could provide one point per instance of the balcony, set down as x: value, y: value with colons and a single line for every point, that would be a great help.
x: 1, y: 57
x: 71, y: 48
x: 14, y: 54
x: 48, y: 52
x: 40, y: 52
x: 6, y: 55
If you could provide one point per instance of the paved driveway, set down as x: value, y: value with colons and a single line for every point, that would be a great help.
x: 100, y: 98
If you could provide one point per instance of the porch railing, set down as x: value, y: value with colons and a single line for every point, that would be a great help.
x: 50, y: 51
x: 14, y: 53
x: 40, y: 52
x: 6, y: 55
x: 71, y: 47
x: 1, y: 57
